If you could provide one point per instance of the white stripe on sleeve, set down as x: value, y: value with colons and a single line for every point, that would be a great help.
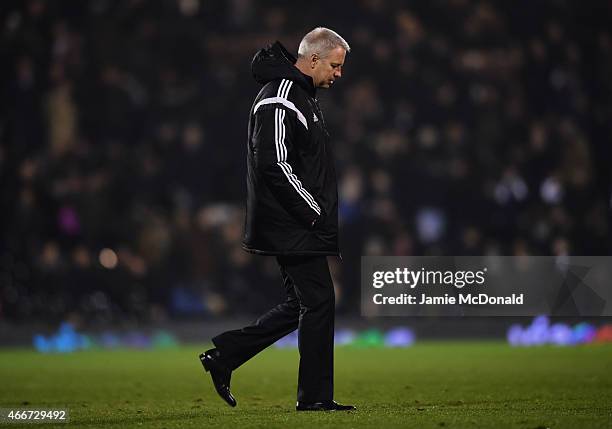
x: 281, y: 149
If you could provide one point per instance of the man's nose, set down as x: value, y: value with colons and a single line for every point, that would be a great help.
x: 337, y: 74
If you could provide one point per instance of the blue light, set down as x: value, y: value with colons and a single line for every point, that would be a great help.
x: 583, y: 333
x: 344, y: 337
x: 560, y: 334
x: 540, y: 332
x: 288, y: 341
x: 515, y: 334
x: 399, y: 337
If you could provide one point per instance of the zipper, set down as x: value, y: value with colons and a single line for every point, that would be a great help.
x: 320, y: 114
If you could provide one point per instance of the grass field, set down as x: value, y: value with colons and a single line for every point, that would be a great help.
x: 430, y: 385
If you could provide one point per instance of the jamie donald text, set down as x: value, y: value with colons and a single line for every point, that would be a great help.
x: 464, y: 298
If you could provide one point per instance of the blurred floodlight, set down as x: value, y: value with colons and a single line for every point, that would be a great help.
x: 189, y: 7
x: 108, y: 258
x: 551, y: 191
x: 431, y: 223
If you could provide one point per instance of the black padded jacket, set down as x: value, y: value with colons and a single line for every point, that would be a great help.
x: 292, y: 201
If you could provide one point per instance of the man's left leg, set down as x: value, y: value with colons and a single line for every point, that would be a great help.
x: 233, y: 348
x: 239, y: 345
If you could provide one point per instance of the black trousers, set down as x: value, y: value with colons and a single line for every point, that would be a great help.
x: 309, y: 308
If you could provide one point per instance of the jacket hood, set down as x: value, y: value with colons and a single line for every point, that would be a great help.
x: 275, y: 62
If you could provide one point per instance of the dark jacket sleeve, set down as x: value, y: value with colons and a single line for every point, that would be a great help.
x: 274, y: 150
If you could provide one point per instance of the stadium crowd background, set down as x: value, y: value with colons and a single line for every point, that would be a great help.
x: 460, y: 127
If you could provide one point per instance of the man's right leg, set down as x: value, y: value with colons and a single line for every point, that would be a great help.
x: 315, y: 291
x: 240, y: 345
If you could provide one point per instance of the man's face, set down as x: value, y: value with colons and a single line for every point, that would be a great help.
x: 325, y: 70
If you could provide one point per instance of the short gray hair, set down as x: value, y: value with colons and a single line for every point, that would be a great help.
x: 320, y: 41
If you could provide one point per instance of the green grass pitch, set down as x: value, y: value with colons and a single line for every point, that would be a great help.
x: 430, y: 385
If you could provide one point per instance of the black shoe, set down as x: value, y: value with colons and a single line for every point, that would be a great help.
x: 323, y: 406
x: 220, y: 374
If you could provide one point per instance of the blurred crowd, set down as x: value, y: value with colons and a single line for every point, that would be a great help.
x: 460, y: 128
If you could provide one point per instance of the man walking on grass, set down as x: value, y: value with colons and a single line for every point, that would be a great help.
x: 292, y: 214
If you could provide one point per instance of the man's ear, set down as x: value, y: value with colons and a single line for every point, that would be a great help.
x: 313, y: 60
